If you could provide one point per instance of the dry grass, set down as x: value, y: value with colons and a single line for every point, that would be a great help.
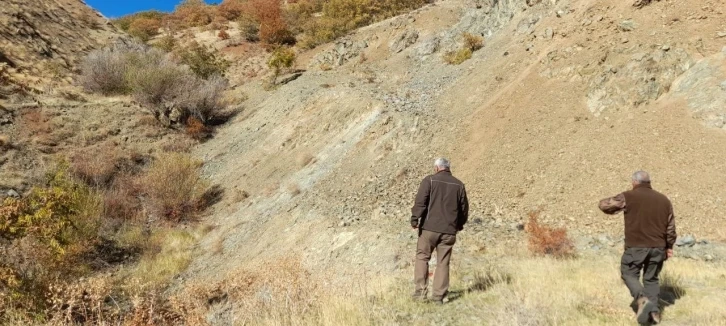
x: 458, y: 57
x: 515, y: 289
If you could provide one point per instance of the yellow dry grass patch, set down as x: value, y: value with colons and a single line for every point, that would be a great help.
x: 515, y: 290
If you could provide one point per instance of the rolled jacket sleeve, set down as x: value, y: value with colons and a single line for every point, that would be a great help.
x: 613, y: 205
x: 420, y: 205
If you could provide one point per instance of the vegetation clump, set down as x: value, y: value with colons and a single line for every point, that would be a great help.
x: 472, y: 43
x: 172, y: 90
x: 545, y: 240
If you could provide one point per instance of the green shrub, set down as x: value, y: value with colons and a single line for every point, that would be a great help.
x: 457, y: 57
x: 49, y: 233
x: 282, y: 58
x: 203, y: 61
x: 62, y: 215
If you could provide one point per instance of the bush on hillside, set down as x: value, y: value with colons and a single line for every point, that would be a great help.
x: 48, y: 234
x: 104, y: 71
x: 545, y: 240
x: 203, y: 61
x: 249, y: 27
x: 144, y: 28
x: 171, y: 91
x: 174, y: 186
x: 192, y: 13
x: 231, y: 9
x: 125, y: 22
x: 473, y: 42
x: 457, y: 57
x: 281, y: 58
x: 341, y: 16
x: 166, y: 43
x: 267, y: 14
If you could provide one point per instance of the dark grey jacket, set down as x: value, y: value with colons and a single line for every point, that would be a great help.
x: 441, y: 204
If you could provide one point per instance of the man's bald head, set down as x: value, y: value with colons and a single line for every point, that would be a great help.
x: 641, y: 177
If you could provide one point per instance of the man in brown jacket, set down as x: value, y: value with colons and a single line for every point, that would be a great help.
x: 650, y: 232
x: 441, y: 209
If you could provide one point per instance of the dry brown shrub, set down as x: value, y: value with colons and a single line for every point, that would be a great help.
x: 96, y: 167
x: 545, y: 240
x: 473, y: 42
x: 145, y: 28
x: 193, y: 13
x: 82, y: 302
x: 230, y: 9
x: 174, y: 186
x: 272, y: 26
x: 121, y: 200
x: 196, y: 129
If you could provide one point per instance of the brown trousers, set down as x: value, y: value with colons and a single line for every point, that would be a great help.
x: 443, y: 243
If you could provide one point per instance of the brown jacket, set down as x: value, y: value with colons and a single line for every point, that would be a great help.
x: 441, y: 204
x: 649, y: 220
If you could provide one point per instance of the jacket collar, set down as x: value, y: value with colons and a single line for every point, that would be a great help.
x: 643, y: 186
x: 444, y: 171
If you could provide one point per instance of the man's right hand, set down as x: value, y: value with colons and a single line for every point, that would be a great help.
x: 669, y: 253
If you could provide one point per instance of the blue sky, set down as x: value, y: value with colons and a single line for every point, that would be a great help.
x: 118, y: 8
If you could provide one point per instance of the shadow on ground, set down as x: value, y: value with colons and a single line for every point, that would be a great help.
x: 482, y: 282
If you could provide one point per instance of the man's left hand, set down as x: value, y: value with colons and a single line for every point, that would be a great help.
x: 669, y: 253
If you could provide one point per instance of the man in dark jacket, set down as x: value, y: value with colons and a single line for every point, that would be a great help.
x: 650, y: 232
x: 441, y: 209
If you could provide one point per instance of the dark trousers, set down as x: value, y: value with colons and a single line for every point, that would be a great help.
x: 427, y: 242
x: 649, y: 261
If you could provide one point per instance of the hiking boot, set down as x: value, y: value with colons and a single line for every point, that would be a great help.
x: 655, y: 316
x: 642, y: 316
x: 646, y: 309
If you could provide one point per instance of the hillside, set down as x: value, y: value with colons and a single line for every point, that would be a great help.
x: 563, y: 103
x: 317, y: 174
x: 555, y: 112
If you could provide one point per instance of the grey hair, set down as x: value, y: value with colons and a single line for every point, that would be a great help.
x: 442, y: 163
x: 641, y: 177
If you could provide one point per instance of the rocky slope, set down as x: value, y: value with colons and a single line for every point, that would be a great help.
x: 565, y: 100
